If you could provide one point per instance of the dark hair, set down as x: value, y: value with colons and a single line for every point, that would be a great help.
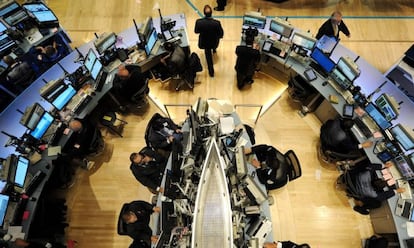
x: 207, y: 10
x: 249, y: 40
x: 9, y: 60
x: 347, y: 123
x: 50, y: 50
x: 133, y: 156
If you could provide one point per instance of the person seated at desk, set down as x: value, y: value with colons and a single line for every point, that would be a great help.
x: 148, y: 168
x: 175, y: 60
x: 248, y: 57
x: 85, y: 140
x: 336, y: 135
x: 366, y: 188
x: 20, y: 74
x: 128, y: 82
x: 137, y: 216
x: 271, y: 166
x: 163, y: 133
x: 284, y: 244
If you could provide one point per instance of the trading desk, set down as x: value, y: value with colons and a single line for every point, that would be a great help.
x: 215, y: 209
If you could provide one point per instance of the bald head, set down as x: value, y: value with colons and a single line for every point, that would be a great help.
x: 207, y: 11
x: 336, y: 17
x: 75, y: 125
x: 123, y: 73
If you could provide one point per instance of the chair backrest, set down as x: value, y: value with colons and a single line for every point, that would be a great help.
x: 141, y: 93
x: 148, y: 130
x: 295, y: 170
x: 122, y: 226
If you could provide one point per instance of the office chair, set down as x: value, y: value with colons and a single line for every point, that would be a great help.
x: 294, y: 170
x: 97, y: 144
x: 139, y: 100
x: 299, y: 90
x: 122, y: 226
x: 342, y: 160
x: 112, y: 122
x: 149, y: 129
x: 188, y: 75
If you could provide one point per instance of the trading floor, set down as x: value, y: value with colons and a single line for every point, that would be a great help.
x: 309, y: 210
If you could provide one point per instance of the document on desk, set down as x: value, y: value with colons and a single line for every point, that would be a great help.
x: 15, y: 232
x: 226, y: 125
x: 410, y: 228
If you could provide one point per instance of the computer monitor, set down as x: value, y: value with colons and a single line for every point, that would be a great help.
x: 323, y: 60
x: 377, y: 116
x: 404, y: 136
x: 327, y: 44
x: 388, y: 106
x: 32, y: 116
x: 281, y: 27
x: 52, y: 89
x: 193, y: 124
x: 90, y: 59
x: 4, y: 203
x: 2, y: 27
x: 42, y: 126
x: 147, y: 27
x: 340, y: 79
x: 349, y: 68
x: 20, y: 173
x: 303, y: 40
x: 105, y: 42
x: 96, y: 68
x: 254, y: 19
x: 41, y: 13
x: 151, y: 40
x: 64, y: 97
x: 12, y: 13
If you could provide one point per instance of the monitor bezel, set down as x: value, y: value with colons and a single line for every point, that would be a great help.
x: 323, y: 54
x: 68, y: 87
x: 26, y: 171
x: 388, y: 101
x: 45, y: 130
x: 256, y: 17
x: 306, y: 37
x: 406, y: 133
x: 285, y: 26
x: 29, y: 112
x: 2, y: 218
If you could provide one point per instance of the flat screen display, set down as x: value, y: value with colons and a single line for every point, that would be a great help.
x: 377, y: 116
x: 386, y: 106
x: 303, y: 41
x: 402, y: 135
x: 347, y: 69
x: 42, y: 126
x: 7, y: 9
x: 107, y: 43
x: 4, y: 202
x: 90, y: 59
x: 254, y: 21
x: 32, y: 116
x: 280, y: 28
x: 97, y: 67
x: 45, y: 16
x: 64, y: 98
x: 2, y: 27
x: 35, y: 7
x: 327, y: 44
x: 21, y: 171
x: 151, y: 40
x: 324, y: 61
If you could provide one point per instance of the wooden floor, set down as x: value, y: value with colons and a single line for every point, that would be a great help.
x: 309, y: 209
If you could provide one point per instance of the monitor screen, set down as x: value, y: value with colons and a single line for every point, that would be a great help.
x: 4, y: 202
x: 42, y: 126
x: 387, y: 106
x: 21, y: 171
x: 105, y: 43
x: 324, y: 61
x: 327, y: 44
x: 2, y: 27
x: 403, y: 136
x: 64, y: 98
x: 147, y: 27
x: 303, y: 41
x: 90, y: 59
x: 32, y: 116
x: 45, y: 16
x: 254, y: 21
x: 348, y: 68
x: 52, y: 89
x: 97, y: 67
x: 377, y: 116
x: 35, y: 7
x: 8, y: 9
x: 340, y: 79
x: 151, y: 40
x: 281, y: 28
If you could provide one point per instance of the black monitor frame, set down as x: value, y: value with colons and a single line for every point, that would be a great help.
x: 318, y: 56
x: 261, y: 21
x: 32, y: 116
x: 303, y: 36
x: 105, y: 42
x: 387, y: 106
x: 404, y: 131
x: 150, y: 46
x: 277, y: 23
x: 19, y: 172
x: 39, y: 131
x: 62, y: 100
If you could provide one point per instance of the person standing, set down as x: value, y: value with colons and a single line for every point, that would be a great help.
x: 211, y: 32
x: 220, y: 5
x: 248, y: 58
x: 333, y: 26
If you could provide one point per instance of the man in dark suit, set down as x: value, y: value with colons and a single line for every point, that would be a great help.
x: 148, y: 167
x: 220, y: 5
x: 333, y: 26
x: 164, y: 132
x: 247, y: 59
x: 211, y: 32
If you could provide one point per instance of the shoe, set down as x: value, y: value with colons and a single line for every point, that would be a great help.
x: 218, y: 9
x: 361, y: 210
x: 214, y: 51
x: 211, y: 74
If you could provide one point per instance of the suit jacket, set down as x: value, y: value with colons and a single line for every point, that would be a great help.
x: 156, y: 138
x: 247, y: 59
x: 334, y: 137
x: 327, y: 29
x: 210, y: 31
x: 149, y: 174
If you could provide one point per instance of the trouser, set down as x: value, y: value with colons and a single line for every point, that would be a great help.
x: 221, y: 4
x: 243, y: 78
x: 209, y: 59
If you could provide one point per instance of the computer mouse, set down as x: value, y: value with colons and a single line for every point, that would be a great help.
x: 180, y: 34
x: 325, y: 83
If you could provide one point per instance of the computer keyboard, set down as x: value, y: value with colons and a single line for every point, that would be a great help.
x: 82, y: 104
x: 318, y: 68
x: 363, y: 128
x: 407, y: 194
x: 281, y: 45
x: 100, y: 81
x: 50, y: 134
x: 34, y: 182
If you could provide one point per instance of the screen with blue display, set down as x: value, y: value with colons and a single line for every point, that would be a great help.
x: 377, y: 116
x: 151, y: 40
x: 7, y: 9
x: 97, y: 67
x: 4, y: 203
x: 42, y: 126
x: 403, y: 136
x: 2, y: 27
x: 324, y: 61
x: 90, y: 59
x: 21, y: 171
x: 64, y: 98
x: 45, y: 16
x: 254, y: 21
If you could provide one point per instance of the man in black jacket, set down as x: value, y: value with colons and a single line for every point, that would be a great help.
x: 271, y: 166
x: 211, y: 32
x: 333, y: 26
x: 137, y: 215
x: 248, y: 58
x: 148, y: 168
